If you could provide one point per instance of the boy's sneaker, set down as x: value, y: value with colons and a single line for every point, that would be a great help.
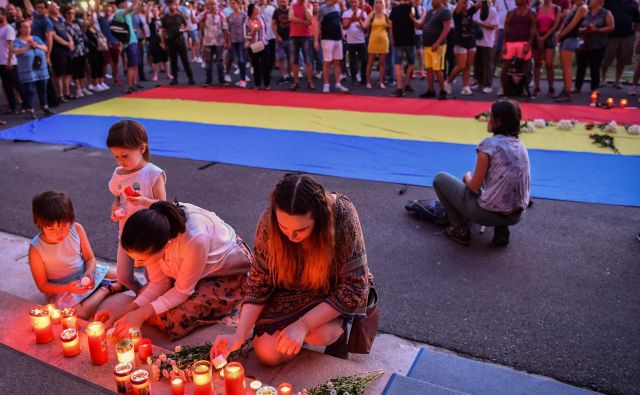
x: 447, y: 87
x: 466, y: 91
x: 459, y: 235
x: 500, y: 236
x: 342, y: 88
x: 428, y: 95
x: 326, y: 88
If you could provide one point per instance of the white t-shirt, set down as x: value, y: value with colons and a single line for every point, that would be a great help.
x: 267, y: 14
x: 7, y: 33
x: 503, y: 7
x: 489, y: 36
x: 355, y: 33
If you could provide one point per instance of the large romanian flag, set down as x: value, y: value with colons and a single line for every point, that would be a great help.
x: 404, y: 141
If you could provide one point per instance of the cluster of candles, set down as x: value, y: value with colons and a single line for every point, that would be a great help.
x: 610, y: 102
x: 137, y: 382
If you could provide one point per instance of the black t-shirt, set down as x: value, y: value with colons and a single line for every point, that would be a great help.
x: 625, y: 14
x: 282, y: 22
x: 404, y: 32
x: 329, y: 17
x: 172, y: 24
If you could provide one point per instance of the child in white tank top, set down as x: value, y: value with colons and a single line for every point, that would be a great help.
x: 136, y: 184
x: 61, y: 260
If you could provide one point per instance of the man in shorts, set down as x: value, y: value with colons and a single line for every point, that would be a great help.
x: 280, y: 27
x: 301, y: 36
x: 437, y: 24
x: 626, y: 19
x: 404, y: 37
x: 328, y: 32
x: 124, y: 13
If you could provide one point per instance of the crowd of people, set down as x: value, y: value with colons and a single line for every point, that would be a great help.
x: 66, y: 52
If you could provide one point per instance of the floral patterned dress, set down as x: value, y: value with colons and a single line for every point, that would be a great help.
x: 349, y: 286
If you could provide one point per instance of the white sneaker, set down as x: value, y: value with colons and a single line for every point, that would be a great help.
x: 236, y: 71
x: 227, y: 78
x: 326, y: 88
x: 466, y: 91
x: 87, y: 92
x: 317, y: 75
x: 108, y: 76
x: 500, y: 92
x: 341, y: 88
x: 93, y: 88
x: 241, y: 84
x: 343, y: 77
x: 487, y: 90
x: 447, y: 87
x: 104, y: 86
x: 79, y: 93
x: 633, y: 91
x: 247, y: 78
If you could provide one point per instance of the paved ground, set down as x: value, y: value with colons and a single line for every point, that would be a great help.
x: 562, y: 300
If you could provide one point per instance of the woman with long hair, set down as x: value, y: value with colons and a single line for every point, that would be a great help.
x: 569, y: 44
x: 309, y: 276
x: 380, y: 27
x: 465, y: 45
x: 595, y: 28
x: 548, y: 18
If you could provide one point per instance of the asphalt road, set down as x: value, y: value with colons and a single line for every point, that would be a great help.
x: 561, y: 300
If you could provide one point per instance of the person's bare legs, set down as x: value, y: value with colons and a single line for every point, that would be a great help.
x: 471, y: 55
x: 337, y: 70
x: 548, y: 63
x: 372, y: 57
x: 566, y: 57
x: 461, y: 61
x: 537, y: 61
x: 382, y: 63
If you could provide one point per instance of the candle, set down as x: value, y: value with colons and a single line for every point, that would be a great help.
x: 41, y: 324
x: 135, y: 335
x: 144, y: 350
x: 69, y: 318
x: 122, y: 372
x: 50, y: 307
x: 255, y: 385
x: 177, y: 386
x: 610, y: 102
x: 55, y: 316
x: 97, y: 339
x: 202, y: 380
x: 140, y: 382
x: 267, y: 390
x: 124, y: 351
x: 285, y: 389
x: 233, y: 379
x: 70, y: 342
x: 623, y: 103
x: 594, y: 97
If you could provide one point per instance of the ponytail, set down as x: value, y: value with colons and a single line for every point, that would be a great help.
x: 150, y: 230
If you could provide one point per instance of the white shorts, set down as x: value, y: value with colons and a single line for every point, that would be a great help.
x: 462, y: 50
x: 331, y: 50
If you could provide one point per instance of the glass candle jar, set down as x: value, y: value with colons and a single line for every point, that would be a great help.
x: 177, y: 386
x: 56, y: 316
x: 140, y: 382
x: 234, y: 379
x: 145, y: 350
x: 267, y: 390
x: 69, y: 318
x: 41, y: 324
x: 202, y: 379
x: 285, y: 389
x: 70, y: 342
x: 135, y: 335
x: 97, y: 339
x: 122, y: 373
x: 124, y: 351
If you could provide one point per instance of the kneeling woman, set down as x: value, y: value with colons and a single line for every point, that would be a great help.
x: 196, y: 266
x: 310, y: 273
x: 498, y: 190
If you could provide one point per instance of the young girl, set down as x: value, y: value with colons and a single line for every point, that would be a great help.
x: 129, y: 145
x: 60, y: 257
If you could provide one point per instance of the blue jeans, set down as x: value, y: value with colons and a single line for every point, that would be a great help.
x: 239, y: 55
x: 30, y: 89
x: 298, y: 44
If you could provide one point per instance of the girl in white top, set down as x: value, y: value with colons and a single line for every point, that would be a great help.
x: 196, y: 264
x: 129, y: 144
x: 61, y: 260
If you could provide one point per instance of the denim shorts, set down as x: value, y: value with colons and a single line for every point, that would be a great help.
x: 282, y: 49
x: 193, y: 34
x: 569, y: 44
x: 409, y: 51
x: 300, y: 43
x: 133, y: 55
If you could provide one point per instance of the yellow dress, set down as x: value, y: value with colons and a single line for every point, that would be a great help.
x: 379, y: 39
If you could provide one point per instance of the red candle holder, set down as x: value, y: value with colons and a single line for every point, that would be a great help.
x: 234, y: 379
x: 69, y: 318
x: 70, y: 343
x: 285, y: 389
x: 610, y: 102
x: 145, y: 350
x: 97, y: 340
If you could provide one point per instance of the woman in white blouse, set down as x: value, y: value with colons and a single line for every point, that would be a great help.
x: 196, y: 266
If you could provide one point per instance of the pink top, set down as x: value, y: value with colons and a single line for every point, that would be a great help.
x: 299, y: 29
x: 545, y: 20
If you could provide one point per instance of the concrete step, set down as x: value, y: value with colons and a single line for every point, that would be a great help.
x: 401, y: 385
x: 470, y: 376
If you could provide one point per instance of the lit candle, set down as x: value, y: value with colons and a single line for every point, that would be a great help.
x: 177, y: 386
x: 124, y: 351
x: 140, y: 382
x: 50, y: 307
x: 267, y: 390
x: 69, y: 318
x: 610, y: 102
x: 70, y: 342
x: 122, y: 372
x: 55, y: 316
x: 202, y: 380
x: 594, y: 97
x: 285, y: 389
x: 233, y: 379
x: 41, y: 324
x: 144, y: 350
x: 623, y: 103
x: 97, y: 339
x: 135, y: 335
x: 255, y: 385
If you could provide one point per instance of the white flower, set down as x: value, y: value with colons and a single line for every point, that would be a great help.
x: 611, y: 127
x: 330, y: 385
x: 163, y: 357
x: 178, y: 348
x: 565, y: 124
x: 333, y: 392
x: 539, y: 123
x: 527, y: 127
x: 633, y: 129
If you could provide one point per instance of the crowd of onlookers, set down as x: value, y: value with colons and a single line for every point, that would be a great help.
x: 62, y: 52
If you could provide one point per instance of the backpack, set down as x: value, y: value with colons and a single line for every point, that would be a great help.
x: 120, y: 30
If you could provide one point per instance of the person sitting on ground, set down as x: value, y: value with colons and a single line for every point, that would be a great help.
x: 60, y: 257
x: 197, y: 266
x: 309, y: 276
x: 497, y: 192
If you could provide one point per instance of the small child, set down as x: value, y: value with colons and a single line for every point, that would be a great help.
x: 60, y: 256
x: 129, y: 145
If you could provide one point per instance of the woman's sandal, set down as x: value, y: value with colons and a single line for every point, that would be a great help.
x: 112, y: 285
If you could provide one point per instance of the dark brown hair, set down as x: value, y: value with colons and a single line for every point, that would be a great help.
x: 52, y: 207
x: 129, y: 134
x: 300, y: 195
x: 149, y: 230
x: 506, y: 116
